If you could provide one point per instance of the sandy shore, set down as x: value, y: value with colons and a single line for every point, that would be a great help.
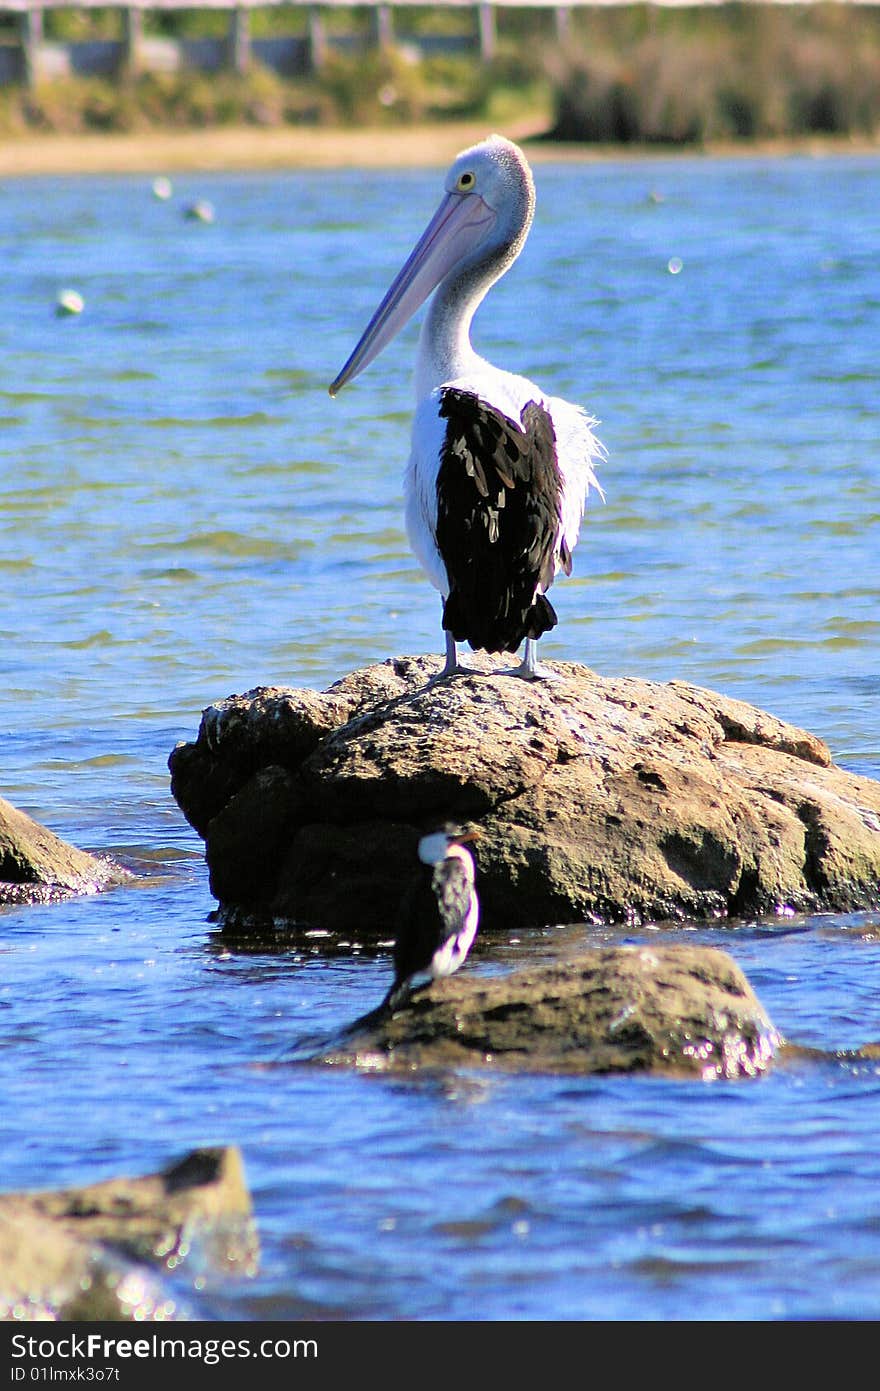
x: 245, y: 148
x: 162, y: 152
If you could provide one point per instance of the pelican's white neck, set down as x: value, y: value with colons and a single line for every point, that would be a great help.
x: 445, y: 351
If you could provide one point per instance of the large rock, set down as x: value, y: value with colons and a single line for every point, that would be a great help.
x: 48, y: 1273
x: 36, y: 866
x: 69, y: 1253
x: 683, y: 1011
x: 603, y: 799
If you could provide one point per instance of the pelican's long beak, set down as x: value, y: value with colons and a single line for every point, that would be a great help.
x: 457, y: 227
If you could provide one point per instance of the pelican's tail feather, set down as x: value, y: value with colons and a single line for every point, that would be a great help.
x: 501, y: 630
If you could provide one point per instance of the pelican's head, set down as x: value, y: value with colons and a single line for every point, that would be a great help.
x: 496, y: 174
x: 484, y: 216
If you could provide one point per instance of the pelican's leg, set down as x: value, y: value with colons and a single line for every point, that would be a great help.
x: 530, y: 668
x: 453, y: 666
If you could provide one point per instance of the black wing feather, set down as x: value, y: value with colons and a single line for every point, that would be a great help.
x: 433, y: 908
x: 453, y: 892
x: 499, y: 507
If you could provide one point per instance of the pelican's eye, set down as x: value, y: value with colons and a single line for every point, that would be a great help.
x: 466, y: 182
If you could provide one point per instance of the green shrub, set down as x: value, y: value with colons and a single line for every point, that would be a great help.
x: 373, y: 87
x: 71, y: 25
x: 739, y: 71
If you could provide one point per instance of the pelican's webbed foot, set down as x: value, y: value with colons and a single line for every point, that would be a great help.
x: 530, y: 669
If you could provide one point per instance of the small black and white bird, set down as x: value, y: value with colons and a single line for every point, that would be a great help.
x: 438, y: 914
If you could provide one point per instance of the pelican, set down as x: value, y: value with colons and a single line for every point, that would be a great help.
x: 438, y: 915
x: 499, y: 472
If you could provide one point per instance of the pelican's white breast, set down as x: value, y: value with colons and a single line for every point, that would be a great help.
x: 420, y: 489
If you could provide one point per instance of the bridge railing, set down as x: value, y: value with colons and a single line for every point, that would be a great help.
x: 29, y: 57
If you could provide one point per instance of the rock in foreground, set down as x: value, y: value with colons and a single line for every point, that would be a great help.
x: 680, y: 1011
x: 36, y: 866
x: 69, y: 1253
x: 615, y: 800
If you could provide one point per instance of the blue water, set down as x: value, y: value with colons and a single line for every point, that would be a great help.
x: 184, y: 513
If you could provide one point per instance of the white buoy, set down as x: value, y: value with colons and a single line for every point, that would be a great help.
x: 69, y: 302
x: 162, y: 187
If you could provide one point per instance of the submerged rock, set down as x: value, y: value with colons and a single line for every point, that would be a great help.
x: 609, y: 799
x: 71, y: 1253
x: 683, y: 1011
x: 36, y: 866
